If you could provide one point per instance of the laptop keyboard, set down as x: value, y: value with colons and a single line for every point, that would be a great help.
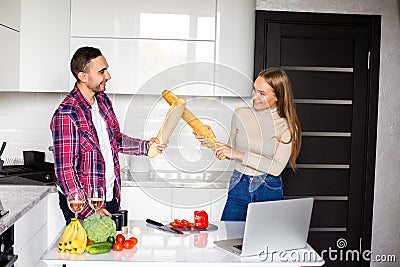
x: 239, y: 247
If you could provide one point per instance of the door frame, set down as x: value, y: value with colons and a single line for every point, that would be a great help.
x: 373, y: 23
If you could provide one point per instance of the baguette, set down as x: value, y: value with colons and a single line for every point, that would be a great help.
x: 195, y: 123
x: 172, y: 118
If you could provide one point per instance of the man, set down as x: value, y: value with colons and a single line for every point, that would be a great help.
x: 87, y: 137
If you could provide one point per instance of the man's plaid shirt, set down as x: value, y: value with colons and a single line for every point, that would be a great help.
x: 78, y: 160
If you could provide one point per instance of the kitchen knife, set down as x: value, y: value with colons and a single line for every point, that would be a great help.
x: 162, y: 227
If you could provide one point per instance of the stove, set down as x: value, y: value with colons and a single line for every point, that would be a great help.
x: 15, y: 169
x: 3, y: 213
x: 23, y: 175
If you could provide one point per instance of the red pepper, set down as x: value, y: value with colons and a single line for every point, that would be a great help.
x: 200, y: 219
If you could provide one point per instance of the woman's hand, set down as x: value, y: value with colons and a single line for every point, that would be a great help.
x: 227, y: 151
x: 160, y: 147
x: 204, y: 141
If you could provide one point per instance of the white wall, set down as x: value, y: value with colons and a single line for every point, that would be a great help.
x: 386, y: 218
x: 25, y: 125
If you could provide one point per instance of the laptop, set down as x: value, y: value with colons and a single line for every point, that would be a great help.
x: 273, y: 226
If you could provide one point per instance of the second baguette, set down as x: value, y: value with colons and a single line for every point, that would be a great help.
x: 195, y: 123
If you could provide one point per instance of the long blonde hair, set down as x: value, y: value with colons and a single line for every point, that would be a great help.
x: 279, y: 81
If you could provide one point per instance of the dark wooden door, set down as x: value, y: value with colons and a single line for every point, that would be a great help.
x: 332, y: 61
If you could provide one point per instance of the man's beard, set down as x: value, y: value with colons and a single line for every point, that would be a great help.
x: 98, y: 89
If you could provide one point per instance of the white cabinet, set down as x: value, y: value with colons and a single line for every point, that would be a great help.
x: 55, y: 217
x: 9, y: 55
x: 44, y: 37
x: 35, y: 46
x: 144, y: 203
x: 134, y: 62
x: 156, y: 19
x: 194, y: 47
x: 9, y: 50
x: 36, y: 230
x: 30, y: 235
x: 170, y: 203
x: 10, y: 14
x: 235, y: 47
x: 142, y: 40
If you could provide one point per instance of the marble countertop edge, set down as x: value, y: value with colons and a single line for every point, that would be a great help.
x: 18, y: 205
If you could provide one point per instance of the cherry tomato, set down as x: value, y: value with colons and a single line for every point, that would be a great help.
x: 89, y: 243
x: 120, y: 238
x: 181, y: 223
x: 118, y: 246
x: 134, y: 239
x: 175, y: 224
x: 128, y: 244
x: 185, y: 223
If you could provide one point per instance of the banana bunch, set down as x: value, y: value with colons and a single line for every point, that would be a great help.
x: 74, y: 238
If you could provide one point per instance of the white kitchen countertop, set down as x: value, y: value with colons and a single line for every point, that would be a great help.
x: 18, y: 199
x: 156, y: 248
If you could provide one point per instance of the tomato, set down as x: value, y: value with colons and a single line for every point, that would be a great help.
x: 89, y: 243
x: 200, y: 219
x: 120, y: 238
x: 175, y: 224
x: 134, y: 239
x: 181, y: 223
x: 118, y: 246
x: 128, y: 244
x: 185, y: 223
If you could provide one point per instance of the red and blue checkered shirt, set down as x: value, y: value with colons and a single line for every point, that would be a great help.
x: 78, y: 161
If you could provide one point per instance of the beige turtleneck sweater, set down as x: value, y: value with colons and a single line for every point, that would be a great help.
x: 253, y: 132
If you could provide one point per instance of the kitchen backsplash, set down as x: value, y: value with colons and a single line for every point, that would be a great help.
x: 25, y: 119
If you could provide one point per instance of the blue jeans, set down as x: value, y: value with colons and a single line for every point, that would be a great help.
x: 245, y: 189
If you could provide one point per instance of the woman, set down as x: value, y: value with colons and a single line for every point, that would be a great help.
x: 263, y: 139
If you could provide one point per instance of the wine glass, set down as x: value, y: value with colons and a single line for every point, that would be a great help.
x: 76, y: 200
x: 96, y: 197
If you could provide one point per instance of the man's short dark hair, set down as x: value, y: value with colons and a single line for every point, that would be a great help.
x: 81, y: 59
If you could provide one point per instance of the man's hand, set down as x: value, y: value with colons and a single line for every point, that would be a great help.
x: 103, y: 212
x: 160, y: 147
